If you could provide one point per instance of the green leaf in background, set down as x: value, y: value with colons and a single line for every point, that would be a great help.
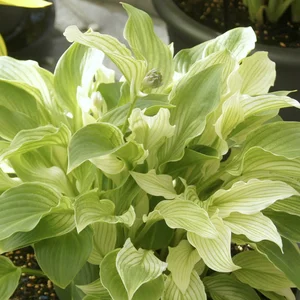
x: 287, y: 225
x: 195, y: 290
x: 145, y: 44
x: 249, y: 197
x: 181, y: 262
x: 30, y: 139
x: 258, y: 73
x: 69, y: 252
x: 257, y: 271
x: 183, y: 214
x: 283, y: 294
x: 215, y: 251
x: 189, y: 116
x: 133, y: 70
x: 90, y: 209
x: 92, y: 141
x: 290, y: 205
x: 9, y: 277
x: 288, y: 261
x: 256, y: 227
x: 137, y: 267
x: 22, y: 207
x: 239, y: 41
x: 225, y: 287
x: 154, y: 184
x: 104, y: 241
x: 6, y: 182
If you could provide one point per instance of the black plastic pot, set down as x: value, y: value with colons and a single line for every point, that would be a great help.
x: 186, y: 32
x: 25, y: 27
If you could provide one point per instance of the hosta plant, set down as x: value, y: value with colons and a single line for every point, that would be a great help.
x: 176, y: 181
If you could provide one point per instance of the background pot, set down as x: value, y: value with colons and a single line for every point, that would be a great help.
x: 186, y: 32
x: 25, y: 27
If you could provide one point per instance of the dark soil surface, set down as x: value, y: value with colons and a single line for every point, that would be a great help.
x: 213, y: 14
x: 30, y: 287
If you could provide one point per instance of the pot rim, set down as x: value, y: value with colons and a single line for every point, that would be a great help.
x: 170, y: 13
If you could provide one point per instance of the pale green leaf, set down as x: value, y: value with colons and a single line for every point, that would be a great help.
x: 145, y: 44
x: 27, y: 3
x: 22, y: 207
x: 30, y: 139
x: 90, y: 209
x: 3, y: 50
x: 258, y: 73
x: 85, y: 175
x: 31, y: 167
x: 223, y: 287
x: 239, y: 41
x: 287, y: 261
x: 11, y: 122
x: 76, y: 67
x: 133, y: 70
x: 195, y: 290
x: 181, y: 262
x: 9, y: 278
x: 69, y: 252
x: 55, y: 224
x: 258, y: 272
x: 202, y: 95
x: 283, y: 294
x: 183, y: 214
x: 6, y: 182
x: 92, y: 141
x: 256, y: 227
x: 249, y: 197
x: 104, y: 241
x: 154, y: 184
x: 290, y: 205
x: 150, y: 131
x: 111, y: 280
x: 95, y: 289
x: 215, y: 252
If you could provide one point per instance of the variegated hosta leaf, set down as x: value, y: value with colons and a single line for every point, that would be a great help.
x: 238, y: 41
x: 183, y: 214
x: 258, y: 73
x: 215, y: 251
x: 92, y: 141
x: 89, y: 209
x: 224, y: 287
x: 257, y: 271
x: 249, y: 197
x: 256, y: 227
x: 95, y: 289
x: 22, y: 207
x: 111, y: 280
x: 181, y: 262
x: 69, y: 251
x: 30, y: 139
x: 133, y: 70
x: 202, y: 95
x: 283, y: 294
x: 76, y: 68
x: 9, y: 277
x: 137, y: 267
x: 104, y: 241
x: 145, y: 44
x: 195, y: 290
x: 156, y: 185
x: 57, y: 223
x: 150, y: 131
x: 290, y: 205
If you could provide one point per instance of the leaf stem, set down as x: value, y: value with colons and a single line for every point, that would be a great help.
x: 125, y: 126
x: 33, y: 272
